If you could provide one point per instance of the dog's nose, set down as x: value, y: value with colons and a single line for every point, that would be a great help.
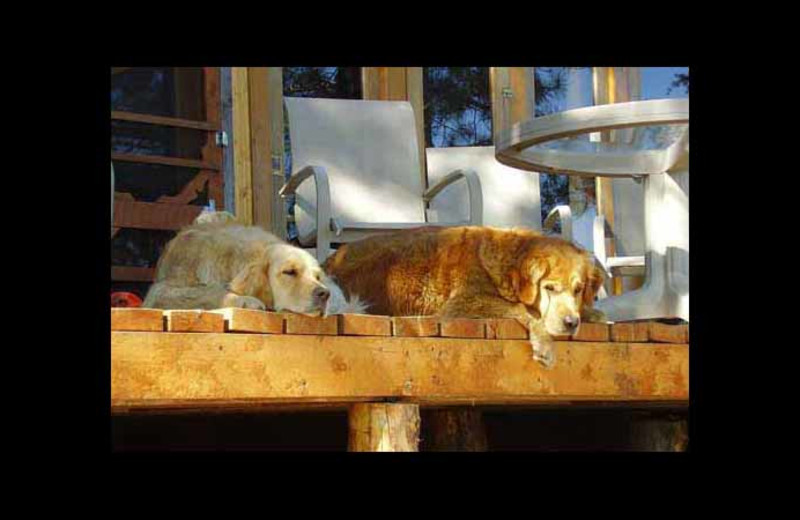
x: 321, y: 294
x: 571, y: 322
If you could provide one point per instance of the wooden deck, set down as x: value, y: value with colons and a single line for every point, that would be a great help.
x: 236, y: 359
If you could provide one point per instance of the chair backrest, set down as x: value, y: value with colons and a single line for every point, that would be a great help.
x: 369, y: 150
x: 510, y: 196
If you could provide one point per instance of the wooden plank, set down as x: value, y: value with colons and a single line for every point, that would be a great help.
x: 503, y: 328
x: 630, y: 332
x: 120, y: 273
x: 364, y: 325
x: 117, y: 115
x: 153, y: 215
x: 415, y: 326
x: 462, y: 328
x: 136, y: 319
x: 255, y: 369
x: 251, y: 320
x: 383, y: 427
x: 166, y: 161
x: 193, y: 321
x: 592, y: 332
x: 663, y: 333
x: 242, y: 158
x: 304, y: 324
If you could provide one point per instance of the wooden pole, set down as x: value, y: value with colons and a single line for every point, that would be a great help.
x: 460, y: 429
x: 383, y: 427
x: 242, y: 159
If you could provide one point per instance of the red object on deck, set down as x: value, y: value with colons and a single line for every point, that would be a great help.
x: 125, y: 299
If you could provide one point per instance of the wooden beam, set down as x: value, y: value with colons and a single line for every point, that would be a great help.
x: 386, y: 427
x: 266, y: 142
x: 117, y: 115
x: 242, y: 157
x: 512, y: 96
x: 166, y: 161
x: 153, y: 215
x: 256, y: 369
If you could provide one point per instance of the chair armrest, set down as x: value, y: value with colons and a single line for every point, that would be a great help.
x: 565, y: 215
x: 473, y: 189
x: 324, y: 217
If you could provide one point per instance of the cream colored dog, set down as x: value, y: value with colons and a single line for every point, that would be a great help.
x: 217, y: 263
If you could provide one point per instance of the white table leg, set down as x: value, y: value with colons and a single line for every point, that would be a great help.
x: 665, y: 292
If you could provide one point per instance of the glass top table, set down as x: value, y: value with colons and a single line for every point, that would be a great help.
x: 641, y: 139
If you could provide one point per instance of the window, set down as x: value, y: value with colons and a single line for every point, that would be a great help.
x: 166, y: 162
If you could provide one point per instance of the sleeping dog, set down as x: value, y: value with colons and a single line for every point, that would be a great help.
x: 217, y: 263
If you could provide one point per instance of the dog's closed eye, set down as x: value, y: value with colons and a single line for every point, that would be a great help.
x: 290, y: 272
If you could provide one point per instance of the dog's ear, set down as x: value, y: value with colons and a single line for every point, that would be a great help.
x: 595, y: 280
x: 532, y: 269
x: 253, y: 280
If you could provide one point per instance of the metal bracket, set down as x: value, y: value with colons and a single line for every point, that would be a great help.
x: 222, y: 138
x: 507, y: 92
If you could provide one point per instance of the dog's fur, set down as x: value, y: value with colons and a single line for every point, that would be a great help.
x: 217, y: 263
x: 474, y: 272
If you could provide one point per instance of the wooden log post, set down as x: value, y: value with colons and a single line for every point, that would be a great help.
x: 659, y: 432
x: 460, y: 429
x: 383, y: 427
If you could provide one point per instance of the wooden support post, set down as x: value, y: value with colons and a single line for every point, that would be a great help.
x: 384, y: 427
x: 455, y: 430
x: 242, y: 162
x: 512, y: 96
x: 658, y: 432
x: 613, y: 85
x: 266, y: 143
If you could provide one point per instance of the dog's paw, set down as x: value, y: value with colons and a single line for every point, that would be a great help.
x: 544, y: 351
x: 248, y: 302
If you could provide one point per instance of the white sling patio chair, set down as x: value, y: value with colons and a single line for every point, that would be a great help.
x: 511, y: 196
x: 361, y: 164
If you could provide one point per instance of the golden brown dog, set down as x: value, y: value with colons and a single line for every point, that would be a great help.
x: 475, y: 272
x: 217, y: 263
